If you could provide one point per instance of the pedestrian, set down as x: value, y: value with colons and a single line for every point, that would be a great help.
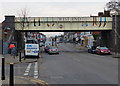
x: 13, y: 50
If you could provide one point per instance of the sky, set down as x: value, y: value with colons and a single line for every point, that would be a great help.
x: 52, y: 8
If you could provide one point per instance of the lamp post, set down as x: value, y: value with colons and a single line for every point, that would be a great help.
x: 115, y: 37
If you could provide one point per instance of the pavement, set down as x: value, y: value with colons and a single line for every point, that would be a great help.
x: 18, y: 80
x: 10, y: 59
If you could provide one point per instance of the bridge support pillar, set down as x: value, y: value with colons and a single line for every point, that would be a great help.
x: 116, y: 35
x: 111, y: 39
x: 106, y: 39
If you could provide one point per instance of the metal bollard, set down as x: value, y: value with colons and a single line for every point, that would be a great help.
x: 20, y: 57
x: 3, y: 68
x: 11, y: 82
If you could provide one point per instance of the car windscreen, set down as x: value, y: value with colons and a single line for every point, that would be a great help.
x: 103, y: 48
x: 53, y: 48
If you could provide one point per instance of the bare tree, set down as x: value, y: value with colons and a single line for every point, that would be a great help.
x: 114, y: 7
x: 23, y: 22
x: 23, y: 14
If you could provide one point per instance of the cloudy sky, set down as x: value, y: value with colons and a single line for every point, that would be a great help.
x: 52, y: 8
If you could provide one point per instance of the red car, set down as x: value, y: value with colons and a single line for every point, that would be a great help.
x: 103, y: 50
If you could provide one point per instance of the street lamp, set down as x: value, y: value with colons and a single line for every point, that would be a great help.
x: 115, y: 37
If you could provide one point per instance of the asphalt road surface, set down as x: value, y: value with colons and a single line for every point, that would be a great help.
x: 71, y: 66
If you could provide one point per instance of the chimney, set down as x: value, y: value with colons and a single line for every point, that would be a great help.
x: 100, y: 14
x: 106, y: 13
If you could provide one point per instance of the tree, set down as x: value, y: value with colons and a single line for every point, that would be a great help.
x: 114, y: 7
x: 23, y: 14
x: 20, y: 35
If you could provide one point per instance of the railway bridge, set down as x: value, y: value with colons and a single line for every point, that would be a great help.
x: 108, y: 26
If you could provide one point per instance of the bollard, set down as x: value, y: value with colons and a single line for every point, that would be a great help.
x: 20, y: 57
x: 3, y: 68
x: 11, y: 82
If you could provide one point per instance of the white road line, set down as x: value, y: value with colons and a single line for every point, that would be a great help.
x: 36, y: 70
x: 28, y: 69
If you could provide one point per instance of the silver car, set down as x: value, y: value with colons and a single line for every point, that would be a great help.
x: 53, y: 50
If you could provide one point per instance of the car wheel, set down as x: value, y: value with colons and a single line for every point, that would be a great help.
x: 38, y: 56
x: 46, y: 51
x: 56, y: 53
x: 88, y: 51
x: 97, y: 53
x: 50, y: 53
x: 92, y: 52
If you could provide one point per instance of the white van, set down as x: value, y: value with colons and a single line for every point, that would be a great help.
x: 31, y: 49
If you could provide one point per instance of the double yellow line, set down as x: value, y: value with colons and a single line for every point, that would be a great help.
x: 41, y: 82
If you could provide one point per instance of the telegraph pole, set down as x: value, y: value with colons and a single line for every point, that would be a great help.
x: 115, y: 37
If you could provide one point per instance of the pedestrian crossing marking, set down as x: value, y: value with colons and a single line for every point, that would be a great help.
x: 28, y: 69
x: 35, y: 70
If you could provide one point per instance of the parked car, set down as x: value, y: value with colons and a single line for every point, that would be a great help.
x: 53, y: 49
x: 92, y: 49
x: 103, y: 50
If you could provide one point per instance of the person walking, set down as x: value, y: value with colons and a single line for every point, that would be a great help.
x: 13, y: 50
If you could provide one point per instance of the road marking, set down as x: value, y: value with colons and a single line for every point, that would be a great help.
x: 35, y: 80
x: 36, y: 70
x: 41, y: 82
x: 28, y: 69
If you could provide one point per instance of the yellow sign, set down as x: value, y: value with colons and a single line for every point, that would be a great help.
x: 63, y: 23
